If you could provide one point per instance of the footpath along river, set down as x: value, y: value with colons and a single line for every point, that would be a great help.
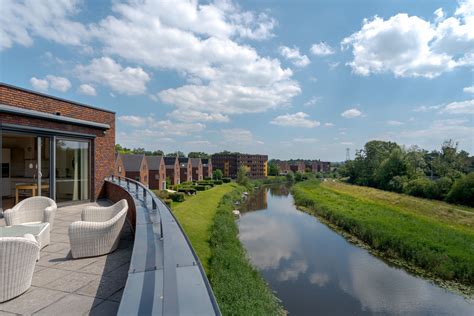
x: 315, y: 271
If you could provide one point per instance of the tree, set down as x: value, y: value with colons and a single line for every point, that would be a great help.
x: 462, y: 191
x: 242, y: 178
x: 392, y: 166
x: 272, y: 169
x: 178, y: 153
x: 198, y: 154
x: 217, y: 174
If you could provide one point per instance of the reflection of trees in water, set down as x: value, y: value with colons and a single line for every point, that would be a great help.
x: 257, y: 201
x: 280, y: 190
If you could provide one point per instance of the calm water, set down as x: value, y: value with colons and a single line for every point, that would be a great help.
x: 315, y: 271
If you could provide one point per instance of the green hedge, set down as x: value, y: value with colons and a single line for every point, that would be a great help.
x: 187, y: 190
x: 177, y: 197
x: 226, y: 180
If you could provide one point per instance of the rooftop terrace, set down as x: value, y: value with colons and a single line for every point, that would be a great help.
x: 65, y: 286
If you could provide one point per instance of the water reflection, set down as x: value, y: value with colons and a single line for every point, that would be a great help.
x: 315, y: 271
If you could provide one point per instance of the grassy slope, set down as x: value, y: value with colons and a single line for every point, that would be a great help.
x: 196, y: 215
x: 239, y: 288
x: 434, y: 236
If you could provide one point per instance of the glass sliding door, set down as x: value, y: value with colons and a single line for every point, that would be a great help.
x: 72, y: 170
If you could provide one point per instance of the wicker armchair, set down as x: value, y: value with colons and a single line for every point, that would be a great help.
x: 32, y: 210
x: 18, y: 258
x: 99, y: 231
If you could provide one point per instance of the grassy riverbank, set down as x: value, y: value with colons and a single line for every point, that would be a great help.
x: 431, y: 235
x: 208, y: 221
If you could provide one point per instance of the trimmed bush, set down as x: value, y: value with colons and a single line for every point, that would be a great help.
x: 168, y: 202
x: 218, y: 182
x: 200, y: 187
x: 207, y: 178
x: 177, y: 197
x: 226, y: 180
x: 462, y: 191
x: 187, y: 190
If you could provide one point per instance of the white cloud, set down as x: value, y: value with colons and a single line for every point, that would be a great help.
x: 196, y: 116
x: 321, y: 49
x: 50, y: 19
x: 294, y: 55
x: 239, y: 136
x: 329, y: 124
x: 161, y: 128
x: 305, y: 140
x: 87, y: 89
x: 409, y: 46
x: 58, y: 83
x: 351, y: 113
x: 320, y: 279
x: 39, y: 84
x: 105, y: 70
x: 333, y: 65
x: 394, y: 123
x: 55, y: 82
x: 461, y: 107
x: 425, y: 108
x: 299, y: 119
x: 347, y: 143
x: 312, y: 101
x: 468, y: 89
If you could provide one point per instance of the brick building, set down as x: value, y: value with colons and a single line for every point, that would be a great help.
x: 229, y: 164
x: 136, y: 167
x: 156, y: 172
x: 119, y: 169
x: 53, y: 147
x: 320, y: 166
x: 298, y: 166
x: 172, y: 170
x: 197, y: 169
x: 207, y: 167
x: 283, y: 167
x: 185, y: 170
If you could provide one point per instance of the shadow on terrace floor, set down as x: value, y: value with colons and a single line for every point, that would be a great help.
x: 66, y: 286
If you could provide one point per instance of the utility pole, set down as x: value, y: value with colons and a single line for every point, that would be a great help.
x: 348, y: 156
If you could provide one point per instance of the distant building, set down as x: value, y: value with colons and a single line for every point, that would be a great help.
x: 136, y: 167
x: 298, y: 166
x: 207, y: 168
x: 185, y: 170
x: 320, y: 166
x: 283, y: 167
x: 229, y: 164
x: 119, y: 169
x: 156, y: 172
x: 172, y: 169
x: 196, y: 171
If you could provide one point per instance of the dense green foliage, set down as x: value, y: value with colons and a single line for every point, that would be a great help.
x: 242, y: 177
x: 177, y: 197
x: 272, y: 168
x: 463, y: 190
x: 217, y: 174
x: 124, y: 150
x: 434, y: 236
x: 238, y: 287
x: 226, y: 180
x: 414, y: 171
x: 198, y: 154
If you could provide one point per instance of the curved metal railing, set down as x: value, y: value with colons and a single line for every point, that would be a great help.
x: 165, y: 275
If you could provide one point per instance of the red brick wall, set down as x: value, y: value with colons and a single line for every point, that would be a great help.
x: 119, y: 167
x: 103, y: 146
x: 154, y: 183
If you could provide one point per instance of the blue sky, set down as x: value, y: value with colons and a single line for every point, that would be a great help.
x: 292, y: 79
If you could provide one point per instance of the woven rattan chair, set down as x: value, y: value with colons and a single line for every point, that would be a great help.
x: 99, y: 231
x: 35, y: 209
x: 17, y: 263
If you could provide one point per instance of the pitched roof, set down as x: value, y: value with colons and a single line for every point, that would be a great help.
x: 170, y: 161
x: 205, y: 161
x: 154, y: 162
x: 195, y: 162
x: 132, y: 162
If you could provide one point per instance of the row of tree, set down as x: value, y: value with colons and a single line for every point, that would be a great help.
x: 445, y: 174
x: 142, y: 151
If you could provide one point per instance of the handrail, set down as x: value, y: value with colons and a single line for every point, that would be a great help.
x: 163, y: 262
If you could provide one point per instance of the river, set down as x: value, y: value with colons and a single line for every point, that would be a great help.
x: 315, y: 271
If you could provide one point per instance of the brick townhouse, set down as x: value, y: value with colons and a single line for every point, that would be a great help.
x: 206, y: 167
x: 172, y: 170
x: 136, y: 167
x: 197, y: 172
x: 156, y: 172
x: 185, y: 170
x: 53, y: 147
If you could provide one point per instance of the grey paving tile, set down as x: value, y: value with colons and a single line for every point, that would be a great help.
x: 32, y: 301
x: 121, y: 273
x: 60, y: 229
x: 105, y: 308
x: 75, y: 264
x: 71, y: 304
x: 102, y: 288
x: 48, y: 259
x: 59, y: 237
x: 48, y: 275
x: 57, y: 247
x: 3, y: 313
x: 71, y: 282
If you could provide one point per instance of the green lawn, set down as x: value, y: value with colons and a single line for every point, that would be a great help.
x: 196, y: 216
x: 434, y: 236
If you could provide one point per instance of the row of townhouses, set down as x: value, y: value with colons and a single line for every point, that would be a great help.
x: 301, y: 166
x: 229, y: 164
x: 153, y: 171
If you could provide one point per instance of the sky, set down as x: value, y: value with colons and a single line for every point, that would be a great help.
x: 291, y: 79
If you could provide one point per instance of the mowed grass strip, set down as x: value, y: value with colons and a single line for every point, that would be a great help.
x: 196, y: 216
x: 437, y: 243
